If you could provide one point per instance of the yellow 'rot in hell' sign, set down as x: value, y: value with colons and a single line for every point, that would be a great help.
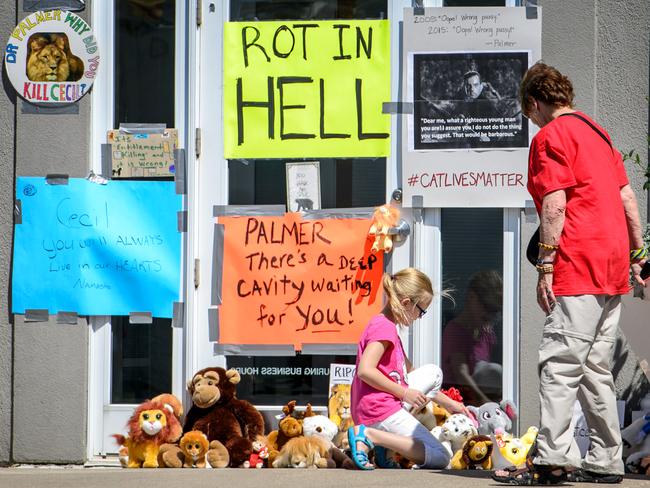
x: 306, y: 89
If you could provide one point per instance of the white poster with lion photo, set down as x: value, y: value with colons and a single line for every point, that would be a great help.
x: 338, y: 405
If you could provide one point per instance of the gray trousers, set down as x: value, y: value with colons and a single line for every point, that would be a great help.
x: 575, y: 358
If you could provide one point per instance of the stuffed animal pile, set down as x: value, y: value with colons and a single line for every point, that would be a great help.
x: 305, y: 440
x: 221, y: 431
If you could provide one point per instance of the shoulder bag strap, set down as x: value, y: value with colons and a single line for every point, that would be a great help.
x: 598, y: 131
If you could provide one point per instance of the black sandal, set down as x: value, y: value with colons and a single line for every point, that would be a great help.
x: 586, y: 476
x: 531, y: 474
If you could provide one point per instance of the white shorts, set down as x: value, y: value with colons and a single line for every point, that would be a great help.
x: 405, y: 424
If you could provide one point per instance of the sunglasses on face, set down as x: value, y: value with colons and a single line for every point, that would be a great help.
x: 422, y: 311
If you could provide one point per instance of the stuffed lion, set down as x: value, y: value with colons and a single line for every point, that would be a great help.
x: 152, y: 424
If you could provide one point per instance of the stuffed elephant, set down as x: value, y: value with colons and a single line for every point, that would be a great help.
x: 494, y: 417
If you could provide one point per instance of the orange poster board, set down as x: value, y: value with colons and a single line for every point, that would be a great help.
x: 292, y: 281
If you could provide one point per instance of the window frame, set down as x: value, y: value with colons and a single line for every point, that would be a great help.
x: 103, y: 416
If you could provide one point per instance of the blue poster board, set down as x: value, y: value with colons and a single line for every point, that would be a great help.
x: 97, y: 249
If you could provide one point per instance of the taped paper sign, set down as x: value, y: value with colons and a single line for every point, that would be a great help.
x: 292, y: 281
x: 297, y: 89
x: 97, y: 249
x: 143, y: 155
x: 466, y: 142
x: 52, y: 57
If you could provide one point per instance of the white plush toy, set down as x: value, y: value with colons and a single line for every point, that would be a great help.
x: 454, y: 432
x: 323, y: 428
x: 319, y: 426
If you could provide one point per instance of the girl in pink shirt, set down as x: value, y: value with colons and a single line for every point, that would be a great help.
x: 381, y: 396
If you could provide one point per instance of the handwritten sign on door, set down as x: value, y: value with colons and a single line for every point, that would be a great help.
x: 97, y: 249
x: 292, y: 281
x: 143, y: 155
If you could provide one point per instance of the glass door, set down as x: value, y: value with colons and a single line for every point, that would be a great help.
x: 270, y: 381
x: 128, y: 362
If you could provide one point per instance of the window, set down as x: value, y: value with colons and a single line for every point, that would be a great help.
x: 268, y: 380
x: 345, y: 183
x: 144, y: 93
x: 472, y: 329
x: 141, y: 359
x: 144, y: 62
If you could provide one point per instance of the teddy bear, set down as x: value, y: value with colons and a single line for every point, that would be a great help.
x: 383, y: 218
x: 476, y: 452
x: 453, y: 434
x: 322, y: 427
x: 230, y: 424
x: 259, y: 455
x: 494, y: 417
x: 288, y: 428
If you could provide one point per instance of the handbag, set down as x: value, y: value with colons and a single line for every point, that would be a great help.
x: 532, y: 250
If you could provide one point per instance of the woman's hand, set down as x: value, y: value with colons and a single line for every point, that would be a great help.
x: 545, y: 295
x: 415, y: 398
x: 636, y: 271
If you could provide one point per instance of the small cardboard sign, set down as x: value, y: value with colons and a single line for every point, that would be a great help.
x: 52, y: 57
x: 143, y: 155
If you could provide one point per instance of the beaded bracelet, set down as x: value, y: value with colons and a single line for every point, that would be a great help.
x: 544, y: 268
x: 548, y: 247
x: 638, y: 254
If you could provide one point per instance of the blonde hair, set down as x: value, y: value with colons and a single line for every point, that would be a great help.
x: 408, y: 283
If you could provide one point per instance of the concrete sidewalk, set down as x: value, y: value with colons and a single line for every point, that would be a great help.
x: 72, y: 477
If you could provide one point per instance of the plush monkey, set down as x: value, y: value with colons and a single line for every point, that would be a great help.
x: 221, y: 416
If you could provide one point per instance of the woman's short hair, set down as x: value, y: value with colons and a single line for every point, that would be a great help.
x: 545, y: 84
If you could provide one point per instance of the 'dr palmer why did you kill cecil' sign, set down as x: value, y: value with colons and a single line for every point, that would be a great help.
x: 52, y: 57
x: 292, y: 281
x: 306, y: 89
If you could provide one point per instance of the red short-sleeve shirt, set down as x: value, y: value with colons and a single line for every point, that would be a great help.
x: 593, y: 257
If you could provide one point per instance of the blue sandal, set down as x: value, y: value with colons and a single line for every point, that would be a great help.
x: 360, y: 458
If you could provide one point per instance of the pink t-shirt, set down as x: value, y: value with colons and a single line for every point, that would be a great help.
x: 368, y: 404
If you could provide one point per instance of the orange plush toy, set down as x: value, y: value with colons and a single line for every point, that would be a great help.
x: 383, y: 218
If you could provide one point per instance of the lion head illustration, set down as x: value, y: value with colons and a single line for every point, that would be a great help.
x: 47, y: 60
x: 339, y: 405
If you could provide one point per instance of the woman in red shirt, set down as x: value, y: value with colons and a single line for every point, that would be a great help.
x: 590, y: 235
